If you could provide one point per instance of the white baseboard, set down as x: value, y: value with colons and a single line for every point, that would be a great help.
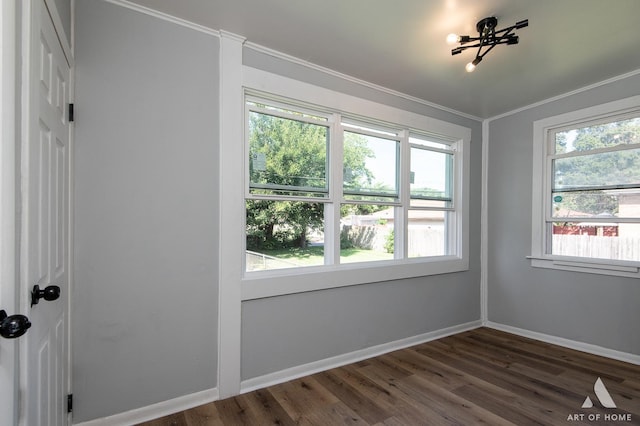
x: 155, y: 411
x: 571, y: 344
x: 351, y: 357
x: 186, y: 402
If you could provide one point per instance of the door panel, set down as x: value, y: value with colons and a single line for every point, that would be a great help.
x: 45, y: 241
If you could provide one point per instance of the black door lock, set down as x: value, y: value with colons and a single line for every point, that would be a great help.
x: 51, y: 292
x: 13, y: 326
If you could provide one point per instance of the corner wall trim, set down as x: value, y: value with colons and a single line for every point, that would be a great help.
x: 351, y: 357
x: 155, y: 411
x: 567, y: 343
x: 484, y: 225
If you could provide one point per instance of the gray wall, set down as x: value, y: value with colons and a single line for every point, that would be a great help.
x: 288, y: 331
x: 596, y: 309
x: 145, y: 295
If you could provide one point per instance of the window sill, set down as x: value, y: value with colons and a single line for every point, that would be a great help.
x: 590, y: 266
x: 257, y: 285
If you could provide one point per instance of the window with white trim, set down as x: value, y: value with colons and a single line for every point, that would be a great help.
x: 324, y: 188
x: 589, y: 214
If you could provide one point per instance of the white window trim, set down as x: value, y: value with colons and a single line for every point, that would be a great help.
x: 542, y: 185
x: 279, y: 282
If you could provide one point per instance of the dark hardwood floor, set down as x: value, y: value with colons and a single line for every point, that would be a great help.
x: 481, y: 376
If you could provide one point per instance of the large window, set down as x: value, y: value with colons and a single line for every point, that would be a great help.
x: 324, y: 189
x: 590, y: 198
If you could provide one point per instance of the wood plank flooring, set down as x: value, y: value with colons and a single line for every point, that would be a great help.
x: 482, y: 376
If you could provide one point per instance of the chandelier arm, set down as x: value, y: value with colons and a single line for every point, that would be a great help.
x: 486, y: 51
x: 506, y: 30
x: 504, y: 37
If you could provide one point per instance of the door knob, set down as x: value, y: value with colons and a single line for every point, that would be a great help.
x: 13, y: 326
x: 51, y: 292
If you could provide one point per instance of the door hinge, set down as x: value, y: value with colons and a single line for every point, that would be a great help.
x: 71, y: 113
x: 69, y: 403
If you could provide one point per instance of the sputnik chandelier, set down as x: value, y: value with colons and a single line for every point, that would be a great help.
x: 488, y: 38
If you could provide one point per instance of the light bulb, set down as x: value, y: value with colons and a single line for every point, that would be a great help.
x: 472, y: 65
x: 453, y: 38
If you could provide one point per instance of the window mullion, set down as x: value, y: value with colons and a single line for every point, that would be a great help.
x: 332, y: 210
x: 401, y: 228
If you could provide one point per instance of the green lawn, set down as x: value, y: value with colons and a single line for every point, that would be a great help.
x: 314, y: 255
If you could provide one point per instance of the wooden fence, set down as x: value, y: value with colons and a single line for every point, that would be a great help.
x: 615, y: 248
x: 422, y: 241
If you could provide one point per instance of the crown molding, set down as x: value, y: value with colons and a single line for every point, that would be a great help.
x: 165, y: 17
x: 566, y: 95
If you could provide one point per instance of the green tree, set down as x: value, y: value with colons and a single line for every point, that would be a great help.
x: 289, y: 157
x: 600, y: 169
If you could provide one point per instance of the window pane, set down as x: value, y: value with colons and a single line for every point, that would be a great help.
x: 366, y: 233
x: 598, y: 136
x: 287, y: 154
x: 370, y: 165
x: 617, y: 169
x: 431, y: 174
x: 602, y: 204
x: 426, y: 233
x: 284, y: 234
x: 596, y: 240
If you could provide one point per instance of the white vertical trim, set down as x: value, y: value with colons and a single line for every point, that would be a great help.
x: 484, y: 223
x: 8, y: 278
x: 231, y: 203
x: 401, y: 214
x: 461, y: 195
x: 28, y: 13
x: 71, y: 221
x: 538, y: 183
x: 332, y: 222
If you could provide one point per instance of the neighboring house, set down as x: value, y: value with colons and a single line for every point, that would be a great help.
x: 419, y: 219
x: 629, y: 207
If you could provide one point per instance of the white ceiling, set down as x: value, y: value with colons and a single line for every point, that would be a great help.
x: 400, y: 44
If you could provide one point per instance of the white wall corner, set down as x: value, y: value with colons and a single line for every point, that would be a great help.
x: 484, y: 223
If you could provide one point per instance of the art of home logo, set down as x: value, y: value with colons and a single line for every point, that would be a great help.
x: 604, y: 397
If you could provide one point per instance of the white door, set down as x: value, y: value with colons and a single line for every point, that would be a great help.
x: 44, y: 242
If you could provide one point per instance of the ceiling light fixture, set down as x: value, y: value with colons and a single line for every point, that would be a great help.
x: 488, y: 38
